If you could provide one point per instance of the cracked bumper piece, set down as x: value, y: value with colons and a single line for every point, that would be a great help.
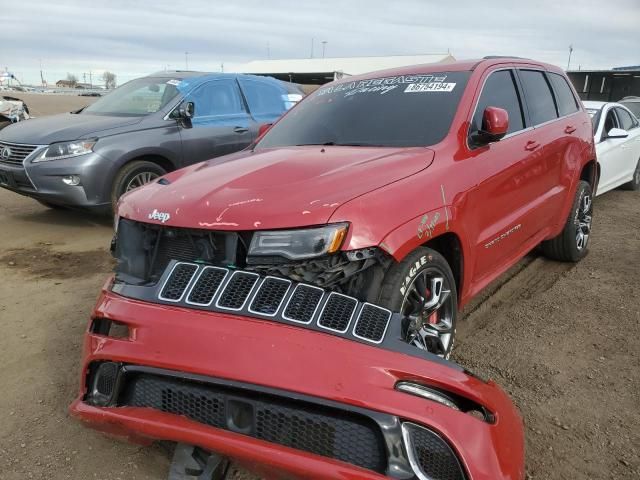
x: 286, y: 402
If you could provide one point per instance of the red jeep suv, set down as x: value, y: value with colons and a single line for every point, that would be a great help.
x: 292, y: 306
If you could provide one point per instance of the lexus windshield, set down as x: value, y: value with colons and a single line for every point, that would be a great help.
x: 136, y: 98
x: 396, y: 111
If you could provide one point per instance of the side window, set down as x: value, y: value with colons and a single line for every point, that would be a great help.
x: 500, y: 91
x: 263, y: 98
x: 539, y: 98
x: 626, y: 122
x: 564, y: 96
x: 610, y: 121
x: 218, y: 97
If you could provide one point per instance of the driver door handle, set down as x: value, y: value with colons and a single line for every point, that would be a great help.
x: 240, y: 129
x: 569, y: 129
x: 531, y: 145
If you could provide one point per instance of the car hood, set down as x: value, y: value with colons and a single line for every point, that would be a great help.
x: 63, y: 127
x: 271, y: 188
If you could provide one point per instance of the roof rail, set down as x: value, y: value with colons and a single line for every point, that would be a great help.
x: 494, y: 57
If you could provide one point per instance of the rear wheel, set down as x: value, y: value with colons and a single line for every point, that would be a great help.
x: 634, y: 184
x: 572, y: 243
x: 422, y: 288
x: 134, y: 175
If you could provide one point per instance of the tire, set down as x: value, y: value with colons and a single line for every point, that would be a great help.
x: 420, y: 271
x: 635, y: 183
x: 572, y: 244
x: 133, y: 175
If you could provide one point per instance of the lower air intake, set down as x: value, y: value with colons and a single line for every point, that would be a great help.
x: 325, y: 431
x: 431, y: 455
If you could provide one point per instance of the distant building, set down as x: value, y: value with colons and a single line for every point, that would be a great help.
x: 318, y: 71
x: 65, y: 84
x: 606, y: 85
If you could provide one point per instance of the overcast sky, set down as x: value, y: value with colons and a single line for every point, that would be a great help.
x: 135, y: 38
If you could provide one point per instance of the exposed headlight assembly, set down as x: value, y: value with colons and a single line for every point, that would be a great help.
x: 58, y: 151
x: 299, y: 244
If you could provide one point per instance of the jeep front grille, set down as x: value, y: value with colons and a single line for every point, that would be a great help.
x: 207, y: 285
x: 178, y: 281
x: 223, y: 289
x: 237, y: 291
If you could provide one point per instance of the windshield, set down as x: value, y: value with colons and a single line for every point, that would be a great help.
x: 137, y: 97
x: 634, y: 107
x: 398, y: 111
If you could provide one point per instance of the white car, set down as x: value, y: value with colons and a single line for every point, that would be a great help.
x: 617, y: 137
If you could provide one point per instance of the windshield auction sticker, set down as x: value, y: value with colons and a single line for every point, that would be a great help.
x: 430, y: 87
x: 382, y: 86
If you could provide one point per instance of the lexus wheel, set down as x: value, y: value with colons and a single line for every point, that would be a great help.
x: 134, y: 175
x: 422, y: 288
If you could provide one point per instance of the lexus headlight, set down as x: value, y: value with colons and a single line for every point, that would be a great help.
x: 298, y: 244
x: 58, y: 151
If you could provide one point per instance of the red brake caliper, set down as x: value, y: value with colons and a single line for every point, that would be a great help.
x: 433, y: 318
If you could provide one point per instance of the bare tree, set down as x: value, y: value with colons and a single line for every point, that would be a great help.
x: 109, y: 80
x: 72, y: 79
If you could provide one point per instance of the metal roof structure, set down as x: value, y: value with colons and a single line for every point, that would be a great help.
x: 323, y: 70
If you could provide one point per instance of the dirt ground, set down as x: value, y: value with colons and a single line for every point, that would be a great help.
x: 41, y: 104
x: 561, y: 339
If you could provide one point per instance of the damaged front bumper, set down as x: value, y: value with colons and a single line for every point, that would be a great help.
x: 284, y: 400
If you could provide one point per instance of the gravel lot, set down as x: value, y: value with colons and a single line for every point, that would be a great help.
x: 561, y: 339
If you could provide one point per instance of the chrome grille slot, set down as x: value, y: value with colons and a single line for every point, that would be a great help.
x: 372, y: 323
x: 178, y: 281
x: 303, y: 304
x: 236, y: 292
x: 206, y: 286
x: 270, y: 296
x: 16, y: 153
x: 337, y: 312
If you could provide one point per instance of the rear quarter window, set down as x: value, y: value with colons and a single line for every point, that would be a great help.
x: 567, y: 103
x: 263, y: 99
x: 540, y: 101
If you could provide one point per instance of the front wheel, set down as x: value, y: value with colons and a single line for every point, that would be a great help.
x: 422, y: 288
x: 134, y: 175
x: 572, y: 243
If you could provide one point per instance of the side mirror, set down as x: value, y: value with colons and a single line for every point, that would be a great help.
x: 263, y: 128
x: 495, y: 124
x: 186, y: 110
x: 617, y: 133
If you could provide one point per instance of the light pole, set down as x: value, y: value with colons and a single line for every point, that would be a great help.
x: 324, y: 46
x: 570, y: 52
x: 186, y: 60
